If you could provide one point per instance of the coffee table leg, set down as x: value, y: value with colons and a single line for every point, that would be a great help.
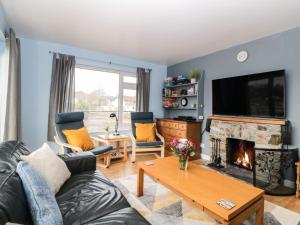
x: 140, y: 182
x: 260, y: 214
x: 125, y: 150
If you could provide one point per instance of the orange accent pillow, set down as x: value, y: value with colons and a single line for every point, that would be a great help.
x: 79, y: 138
x: 145, y: 132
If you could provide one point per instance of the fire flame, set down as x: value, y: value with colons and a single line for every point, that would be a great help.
x: 244, y: 161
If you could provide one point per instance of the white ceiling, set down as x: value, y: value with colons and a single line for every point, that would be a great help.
x: 162, y: 31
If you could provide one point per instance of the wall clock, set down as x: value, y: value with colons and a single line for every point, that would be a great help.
x: 184, y: 102
x: 242, y: 56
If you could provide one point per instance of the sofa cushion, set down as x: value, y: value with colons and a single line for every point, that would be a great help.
x: 101, y: 149
x: 124, y: 216
x: 140, y: 117
x: 70, y: 117
x: 149, y: 144
x: 43, y: 206
x: 87, y: 196
x: 145, y: 132
x: 13, y: 204
x: 79, y: 138
x: 49, y: 165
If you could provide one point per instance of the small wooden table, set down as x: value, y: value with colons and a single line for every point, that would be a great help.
x: 115, y: 139
x: 298, y: 179
x: 204, y: 187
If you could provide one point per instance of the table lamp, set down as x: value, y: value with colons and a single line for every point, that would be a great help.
x: 113, y: 115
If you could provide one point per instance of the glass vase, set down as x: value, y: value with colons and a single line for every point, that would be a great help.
x: 183, y: 163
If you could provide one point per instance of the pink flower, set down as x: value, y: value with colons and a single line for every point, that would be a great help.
x: 191, y: 144
x: 174, y: 142
x: 182, y: 147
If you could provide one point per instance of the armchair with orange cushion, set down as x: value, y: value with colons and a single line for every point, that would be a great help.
x: 144, y: 135
x: 73, y: 137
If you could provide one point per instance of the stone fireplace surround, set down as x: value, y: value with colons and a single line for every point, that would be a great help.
x: 265, y: 136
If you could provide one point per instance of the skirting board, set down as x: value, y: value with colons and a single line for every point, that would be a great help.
x: 205, y: 157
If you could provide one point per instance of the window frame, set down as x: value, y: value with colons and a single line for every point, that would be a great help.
x: 122, y: 86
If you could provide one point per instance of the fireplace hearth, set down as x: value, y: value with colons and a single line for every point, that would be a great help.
x: 240, y: 153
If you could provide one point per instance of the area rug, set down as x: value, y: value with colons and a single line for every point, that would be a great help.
x: 160, y: 206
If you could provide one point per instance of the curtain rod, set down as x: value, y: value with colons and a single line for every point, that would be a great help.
x: 102, y: 61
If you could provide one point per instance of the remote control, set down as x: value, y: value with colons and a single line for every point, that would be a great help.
x: 148, y: 163
x: 224, y: 203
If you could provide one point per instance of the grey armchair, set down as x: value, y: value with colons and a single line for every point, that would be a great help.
x: 71, y: 121
x: 157, y: 146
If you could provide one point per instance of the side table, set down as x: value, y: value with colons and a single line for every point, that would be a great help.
x: 115, y: 139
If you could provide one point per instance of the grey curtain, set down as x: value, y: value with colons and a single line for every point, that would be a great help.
x: 62, y: 91
x: 12, y: 118
x: 142, y: 89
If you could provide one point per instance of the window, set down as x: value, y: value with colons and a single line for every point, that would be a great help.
x: 99, y: 93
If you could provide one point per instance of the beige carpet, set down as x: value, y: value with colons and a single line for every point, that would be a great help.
x: 160, y: 206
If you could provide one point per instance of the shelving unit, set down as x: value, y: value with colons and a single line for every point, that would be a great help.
x: 179, y: 108
x: 182, y: 85
x: 194, y: 107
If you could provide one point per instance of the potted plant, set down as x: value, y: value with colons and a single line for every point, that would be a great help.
x: 194, y: 74
x: 106, y: 129
x: 183, y: 149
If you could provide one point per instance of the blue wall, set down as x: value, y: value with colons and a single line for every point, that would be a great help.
x: 279, y: 51
x: 36, y: 79
x: 3, y: 29
x: 3, y: 23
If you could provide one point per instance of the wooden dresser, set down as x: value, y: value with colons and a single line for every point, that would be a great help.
x: 171, y: 129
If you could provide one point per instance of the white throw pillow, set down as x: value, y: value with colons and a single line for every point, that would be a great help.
x: 51, y: 167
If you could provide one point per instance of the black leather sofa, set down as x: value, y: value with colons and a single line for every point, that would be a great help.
x: 86, y: 198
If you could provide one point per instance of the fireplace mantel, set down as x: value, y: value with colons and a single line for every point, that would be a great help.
x: 281, y: 122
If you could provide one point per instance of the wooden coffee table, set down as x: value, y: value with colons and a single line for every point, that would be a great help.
x: 115, y: 139
x: 204, y: 187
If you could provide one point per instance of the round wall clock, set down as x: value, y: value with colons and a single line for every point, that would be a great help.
x: 184, y: 102
x: 242, y: 56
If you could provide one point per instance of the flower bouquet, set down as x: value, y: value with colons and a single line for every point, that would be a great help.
x: 182, y: 148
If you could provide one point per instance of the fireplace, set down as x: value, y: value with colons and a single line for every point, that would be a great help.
x: 252, y: 151
x: 240, y: 153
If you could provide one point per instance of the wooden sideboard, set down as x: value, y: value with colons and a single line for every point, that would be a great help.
x: 171, y: 129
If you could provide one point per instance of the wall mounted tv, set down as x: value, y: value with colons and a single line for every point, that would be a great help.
x: 255, y: 95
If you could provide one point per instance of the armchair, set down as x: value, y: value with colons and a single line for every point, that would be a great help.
x: 157, y: 146
x: 74, y: 120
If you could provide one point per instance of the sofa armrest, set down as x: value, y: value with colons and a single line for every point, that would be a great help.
x: 80, y: 162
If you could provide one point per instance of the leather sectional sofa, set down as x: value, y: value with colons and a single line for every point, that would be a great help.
x: 86, y: 198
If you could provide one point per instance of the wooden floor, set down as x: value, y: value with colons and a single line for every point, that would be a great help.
x: 119, y: 169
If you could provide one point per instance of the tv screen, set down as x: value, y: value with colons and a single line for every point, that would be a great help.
x: 255, y: 95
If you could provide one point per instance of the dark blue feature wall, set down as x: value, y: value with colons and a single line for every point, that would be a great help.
x: 279, y: 51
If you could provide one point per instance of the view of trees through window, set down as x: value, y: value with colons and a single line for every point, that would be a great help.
x: 99, y: 93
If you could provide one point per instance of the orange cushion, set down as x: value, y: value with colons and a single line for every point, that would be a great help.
x: 79, y: 138
x: 145, y: 132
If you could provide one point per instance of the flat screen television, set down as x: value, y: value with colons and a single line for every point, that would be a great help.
x: 254, y: 95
